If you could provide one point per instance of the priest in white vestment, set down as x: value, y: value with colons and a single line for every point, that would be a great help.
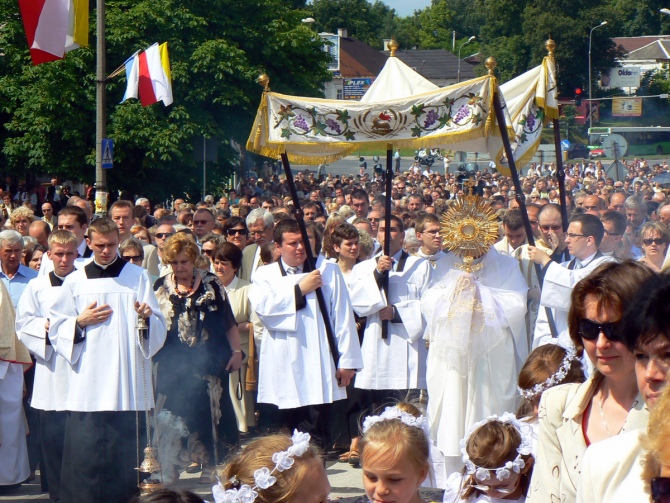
x: 297, y: 372
x: 94, y: 327
x: 398, y: 362
x: 14, y: 361
x: 476, y: 333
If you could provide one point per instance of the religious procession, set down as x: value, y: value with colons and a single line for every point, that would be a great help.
x: 482, y: 335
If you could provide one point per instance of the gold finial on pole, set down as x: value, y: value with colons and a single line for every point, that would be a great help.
x: 491, y: 64
x: 550, y: 45
x: 264, y: 80
x: 393, y: 46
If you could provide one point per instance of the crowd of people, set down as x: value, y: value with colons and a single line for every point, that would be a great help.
x: 526, y: 372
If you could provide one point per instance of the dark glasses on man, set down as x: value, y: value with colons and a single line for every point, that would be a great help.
x: 590, y: 330
x: 164, y: 235
x: 654, y: 241
x: 547, y: 228
x: 660, y: 489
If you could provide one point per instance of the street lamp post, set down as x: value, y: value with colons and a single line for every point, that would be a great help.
x: 459, y: 55
x: 590, y: 95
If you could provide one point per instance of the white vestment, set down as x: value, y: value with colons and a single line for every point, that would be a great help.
x: 476, y: 329
x: 440, y: 264
x: 399, y: 361
x: 111, y: 368
x: 557, y: 287
x: 296, y: 367
x: 51, y: 370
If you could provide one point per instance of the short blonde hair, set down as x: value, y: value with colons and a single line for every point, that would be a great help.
x: 656, y: 441
x: 258, y: 454
x: 181, y: 242
x: 62, y: 237
x: 20, y: 213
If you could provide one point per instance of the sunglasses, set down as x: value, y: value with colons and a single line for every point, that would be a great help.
x: 660, y: 489
x: 590, y: 330
x: 235, y: 232
x: 655, y: 241
x: 164, y: 235
x: 607, y: 233
x: 200, y: 222
x: 209, y: 253
x: 132, y: 258
x: 547, y: 228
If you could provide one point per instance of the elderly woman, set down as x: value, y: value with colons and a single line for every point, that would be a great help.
x: 655, y: 237
x: 202, y: 347
x: 227, y: 260
x: 21, y: 218
x: 574, y: 416
x: 132, y: 250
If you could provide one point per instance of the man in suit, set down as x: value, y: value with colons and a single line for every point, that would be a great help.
x: 48, y: 212
x: 261, y: 226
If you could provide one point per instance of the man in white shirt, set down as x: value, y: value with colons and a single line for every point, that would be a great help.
x: 584, y: 235
x: 94, y: 327
x: 427, y: 230
x: 297, y: 369
x: 74, y: 220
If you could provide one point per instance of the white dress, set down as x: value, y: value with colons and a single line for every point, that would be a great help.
x: 476, y: 329
x: 452, y: 493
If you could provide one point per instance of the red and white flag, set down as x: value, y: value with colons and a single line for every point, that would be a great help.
x: 54, y: 27
x: 148, y: 76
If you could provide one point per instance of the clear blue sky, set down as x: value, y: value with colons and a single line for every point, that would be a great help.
x: 406, y: 7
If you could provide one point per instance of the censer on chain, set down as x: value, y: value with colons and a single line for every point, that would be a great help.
x: 150, y: 463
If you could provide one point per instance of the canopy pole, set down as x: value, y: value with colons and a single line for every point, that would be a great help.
x: 310, y: 263
x: 560, y: 171
x: 388, y: 182
x: 502, y: 125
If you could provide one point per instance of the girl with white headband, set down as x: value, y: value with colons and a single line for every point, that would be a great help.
x: 394, y: 454
x: 498, y: 462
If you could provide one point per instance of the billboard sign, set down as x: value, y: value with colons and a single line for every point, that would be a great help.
x: 626, y: 76
x: 627, y: 107
x: 354, y: 89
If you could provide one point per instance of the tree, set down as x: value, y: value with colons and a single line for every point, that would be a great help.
x: 217, y: 51
x: 363, y: 20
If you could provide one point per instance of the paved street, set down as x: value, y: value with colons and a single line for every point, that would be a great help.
x: 346, y: 483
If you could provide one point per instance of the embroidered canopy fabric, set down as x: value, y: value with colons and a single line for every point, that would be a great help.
x: 312, y: 130
x: 532, y: 102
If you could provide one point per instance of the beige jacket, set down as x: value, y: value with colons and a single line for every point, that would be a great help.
x: 561, y: 443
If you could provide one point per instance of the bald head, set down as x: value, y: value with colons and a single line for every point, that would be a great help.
x: 40, y: 230
x: 592, y: 203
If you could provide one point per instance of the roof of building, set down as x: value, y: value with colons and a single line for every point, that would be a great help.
x: 656, y: 51
x: 435, y: 64
x: 358, y: 59
x: 630, y: 44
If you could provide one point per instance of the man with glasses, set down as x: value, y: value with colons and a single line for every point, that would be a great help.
x: 203, y: 222
x: 261, y: 226
x: 154, y: 260
x: 427, y: 230
x: 612, y: 469
x: 585, y: 233
x: 48, y: 212
x: 552, y: 237
x: 614, y: 224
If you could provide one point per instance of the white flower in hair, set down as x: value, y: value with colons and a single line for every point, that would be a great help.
x: 554, y: 379
x: 395, y: 412
x: 263, y: 477
x: 503, y: 472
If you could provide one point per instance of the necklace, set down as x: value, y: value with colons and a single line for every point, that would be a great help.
x: 602, y: 415
x: 189, y: 291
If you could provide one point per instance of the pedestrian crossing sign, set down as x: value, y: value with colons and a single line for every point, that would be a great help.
x: 107, y: 153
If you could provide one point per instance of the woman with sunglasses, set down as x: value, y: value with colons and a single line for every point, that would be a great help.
x: 655, y: 237
x: 235, y: 231
x: 574, y: 416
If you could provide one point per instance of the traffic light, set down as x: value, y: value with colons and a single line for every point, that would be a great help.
x: 578, y: 97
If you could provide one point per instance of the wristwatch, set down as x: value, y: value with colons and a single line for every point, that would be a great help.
x: 237, y: 350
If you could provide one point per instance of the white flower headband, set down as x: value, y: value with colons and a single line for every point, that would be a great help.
x: 554, y: 379
x: 394, y: 412
x: 502, y: 472
x: 263, y: 477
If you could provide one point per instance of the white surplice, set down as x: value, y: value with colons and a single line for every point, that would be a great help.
x: 296, y: 367
x: 51, y: 370
x: 399, y: 361
x: 477, y: 333
x: 107, y: 366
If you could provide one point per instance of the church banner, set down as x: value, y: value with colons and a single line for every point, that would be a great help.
x: 312, y: 130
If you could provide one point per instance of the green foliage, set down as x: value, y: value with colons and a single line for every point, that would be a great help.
x: 217, y: 50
